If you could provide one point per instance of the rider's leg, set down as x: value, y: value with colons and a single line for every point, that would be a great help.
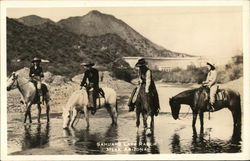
x: 39, y: 90
x: 212, y: 96
x: 131, y: 102
x: 91, y: 104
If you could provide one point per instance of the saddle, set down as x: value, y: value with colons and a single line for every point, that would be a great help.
x: 219, y: 95
x: 101, y: 93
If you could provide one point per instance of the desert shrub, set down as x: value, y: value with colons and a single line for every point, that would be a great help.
x: 125, y: 74
x: 231, y: 71
x: 177, y: 75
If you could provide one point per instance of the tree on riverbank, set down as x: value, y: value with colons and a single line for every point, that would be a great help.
x: 231, y: 71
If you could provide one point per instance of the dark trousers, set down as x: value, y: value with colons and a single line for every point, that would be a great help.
x: 131, y: 102
x: 92, y: 98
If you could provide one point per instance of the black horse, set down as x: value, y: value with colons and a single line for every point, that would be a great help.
x: 198, y: 100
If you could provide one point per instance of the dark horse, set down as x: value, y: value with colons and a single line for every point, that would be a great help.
x: 198, y: 100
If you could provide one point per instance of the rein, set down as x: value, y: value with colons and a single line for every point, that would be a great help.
x: 187, y: 113
x: 18, y: 85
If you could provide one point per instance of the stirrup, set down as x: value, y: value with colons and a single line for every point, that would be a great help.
x: 93, y: 111
x: 211, y: 108
x: 131, y: 107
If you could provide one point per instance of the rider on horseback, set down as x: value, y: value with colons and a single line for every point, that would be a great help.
x: 92, y: 85
x: 147, y: 90
x: 36, y: 75
x: 211, y: 84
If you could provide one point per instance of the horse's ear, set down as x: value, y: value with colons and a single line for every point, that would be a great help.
x: 15, y: 75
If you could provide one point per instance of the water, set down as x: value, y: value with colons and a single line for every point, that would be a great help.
x: 170, y: 136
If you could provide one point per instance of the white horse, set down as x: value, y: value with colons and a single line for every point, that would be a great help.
x: 78, y: 102
x: 29, y: 95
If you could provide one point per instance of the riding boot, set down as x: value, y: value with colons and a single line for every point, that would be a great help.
x: 211, y: 107
x: 93, y: 110
x: 131, y: 104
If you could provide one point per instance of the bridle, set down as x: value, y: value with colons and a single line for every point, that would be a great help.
x: 15, y: 80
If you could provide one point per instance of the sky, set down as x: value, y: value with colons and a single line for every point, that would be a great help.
x: 209, y: 31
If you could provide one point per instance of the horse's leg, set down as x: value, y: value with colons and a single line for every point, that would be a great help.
x: 152, y: 122
x: 237, y: 125
x: 137, y: 119
x: 145, y: 120
x: 25, y: 116
x: 108, y: 107
x: 194, y: 122
x: 114, y: 114
x: 86, y: 115
x: 47, y: 109
x: 201, y: 114
x: 27, y: 113
x: 74, y: 115
x: 39, y: 112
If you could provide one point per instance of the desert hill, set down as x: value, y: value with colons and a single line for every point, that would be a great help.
x: 96, y: 23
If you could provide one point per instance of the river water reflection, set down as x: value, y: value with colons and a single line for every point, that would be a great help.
x: 170, y: 136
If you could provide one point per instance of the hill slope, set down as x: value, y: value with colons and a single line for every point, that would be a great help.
x: 64, y: 50
x: 97, y: 24
x: 33, y: 20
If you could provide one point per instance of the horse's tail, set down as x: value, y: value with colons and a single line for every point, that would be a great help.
x: 46, y: 94
x: 238, y: 109
x: 116, y: 105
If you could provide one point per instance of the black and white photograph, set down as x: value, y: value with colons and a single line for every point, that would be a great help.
x: 124, y: 79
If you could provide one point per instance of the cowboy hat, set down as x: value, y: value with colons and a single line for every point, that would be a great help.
x: 211, y: 64
x: 36, y: 59
x: 141, y: 62
x: 88, y: 64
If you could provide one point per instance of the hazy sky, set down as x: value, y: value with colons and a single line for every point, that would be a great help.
x: 206, y: 31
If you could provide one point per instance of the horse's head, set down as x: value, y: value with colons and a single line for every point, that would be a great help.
x: 66, y: 118
x: 12, y: 82
x: 175, y: 108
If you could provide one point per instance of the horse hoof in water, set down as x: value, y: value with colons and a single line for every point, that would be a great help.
x: 148, y: 132
x: 66, y: 127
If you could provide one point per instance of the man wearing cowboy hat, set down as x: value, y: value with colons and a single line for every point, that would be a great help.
x: 211, y: 83
x: 91, y: 82
x: 147, y: 90
x: 36, y: 74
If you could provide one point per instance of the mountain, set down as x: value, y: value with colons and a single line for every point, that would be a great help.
x: 96, y: 23
x: 33, y: 20
x: 63, y: 49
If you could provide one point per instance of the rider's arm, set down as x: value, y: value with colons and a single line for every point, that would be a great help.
x: 31, y: 72
x: 148, y: 81
x: 97, y: 77
x: 213, y: 78
x: 207, y: 79
x: 139, y: 77
x: 83, y: 83
x: 41, y: 72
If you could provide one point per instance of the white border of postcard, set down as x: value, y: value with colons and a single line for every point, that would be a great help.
x: 244, y: 155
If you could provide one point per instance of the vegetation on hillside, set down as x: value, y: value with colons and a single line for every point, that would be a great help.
x: 231, y: 71
x: 64, y: 50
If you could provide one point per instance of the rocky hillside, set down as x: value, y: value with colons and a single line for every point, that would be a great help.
x: 64, y: 50
x: 33, y: 20
x: 96, y: 23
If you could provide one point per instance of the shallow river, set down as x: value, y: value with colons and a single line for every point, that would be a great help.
x: 170, y: 136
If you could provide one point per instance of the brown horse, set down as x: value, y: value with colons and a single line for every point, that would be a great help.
x: 29, y: 94
x: 198, y: 100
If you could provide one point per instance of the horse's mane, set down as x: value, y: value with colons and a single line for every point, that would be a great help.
x: 186, y: 93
